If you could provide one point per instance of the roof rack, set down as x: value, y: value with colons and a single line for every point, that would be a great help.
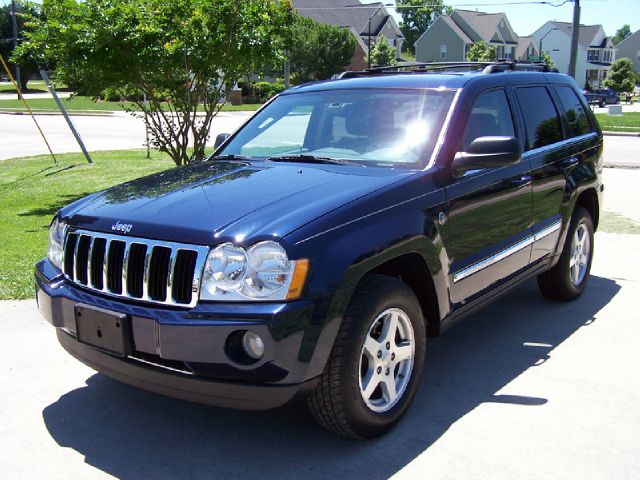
x: 496, y: 66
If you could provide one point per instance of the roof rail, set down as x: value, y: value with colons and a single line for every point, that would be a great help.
x: 495, y: 66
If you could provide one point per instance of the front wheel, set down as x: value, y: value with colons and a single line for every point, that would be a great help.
x: 376, y: 362
x: 568, y: 278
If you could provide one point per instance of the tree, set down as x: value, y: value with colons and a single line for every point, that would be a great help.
x: 383, y: 54
x: 417, y: 16
x: 622, y: 33
x: 546, y: 58
x: 481, y: 52
x: 318, y: 50
x: 25, y: 13
x: 179, y: 53
x: 621, y: 77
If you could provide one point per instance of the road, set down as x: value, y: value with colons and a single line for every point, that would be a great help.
x: 19, y: 136
x: 524, y: 389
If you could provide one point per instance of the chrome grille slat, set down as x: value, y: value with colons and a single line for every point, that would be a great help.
x: 167, y: 261
x: 147, y: 267
x: 105, y: 266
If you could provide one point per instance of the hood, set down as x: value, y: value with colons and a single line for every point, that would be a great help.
x: 221, y: 201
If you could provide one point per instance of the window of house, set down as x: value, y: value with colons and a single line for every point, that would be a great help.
x: 576, y: 116
x: 443, y: 51
x: 490, y: 116
x: 540, y: 116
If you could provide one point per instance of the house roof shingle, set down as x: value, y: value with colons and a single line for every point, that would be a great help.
x: 343, y: 13
x: 485, y: 24
x: 454, y: 26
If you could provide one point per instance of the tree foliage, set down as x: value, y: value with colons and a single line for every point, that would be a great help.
x: 546, y: 58
x: 383, y: 54
x: 622, y: 33
x: 621, y: 77
x: 318, y: 50
x: 481, y: 52
x: 417, y: 16
x: 179, y: 53
x: 26, y: 13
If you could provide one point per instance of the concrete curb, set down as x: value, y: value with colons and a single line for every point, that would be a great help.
x: 621, y: 165
x: 622, y: 134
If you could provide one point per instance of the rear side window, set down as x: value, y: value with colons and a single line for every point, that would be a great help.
x: 490, y: 116
x: 576, y: 116
x: 540, y: 116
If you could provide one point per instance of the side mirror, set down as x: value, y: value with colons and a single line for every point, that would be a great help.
x: 488, y: 152
x: 220, y: 139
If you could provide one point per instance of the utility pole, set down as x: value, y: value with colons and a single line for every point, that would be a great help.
x: 575, y: 34
x: 14, y: 22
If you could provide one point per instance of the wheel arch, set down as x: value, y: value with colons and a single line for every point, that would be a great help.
x: 412, y: 269
x: 588, y: 200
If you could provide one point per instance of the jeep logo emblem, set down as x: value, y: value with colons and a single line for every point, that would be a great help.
x: 121, y: 227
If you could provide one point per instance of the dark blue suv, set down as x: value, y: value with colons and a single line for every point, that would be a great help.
x: 323, y: 242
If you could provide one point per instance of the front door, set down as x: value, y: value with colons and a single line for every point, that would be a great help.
x: 488, y: 232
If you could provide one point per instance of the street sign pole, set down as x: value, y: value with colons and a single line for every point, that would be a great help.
x: 66, y: 116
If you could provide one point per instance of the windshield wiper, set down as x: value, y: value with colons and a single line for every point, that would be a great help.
x: 231, y: 157
x: 312, y: 159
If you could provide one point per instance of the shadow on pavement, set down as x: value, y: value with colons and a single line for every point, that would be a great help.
x: 132, y: 434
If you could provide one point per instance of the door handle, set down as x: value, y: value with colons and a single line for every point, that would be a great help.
x: 570, y: 162
x: 521, y: 181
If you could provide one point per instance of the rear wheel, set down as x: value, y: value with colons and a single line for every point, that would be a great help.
x: 602, y: 103
x: 568, y: 278
x: 376, y: 362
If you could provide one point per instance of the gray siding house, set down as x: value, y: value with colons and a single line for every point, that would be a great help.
x: 630, y: 48
x: 450, y: 36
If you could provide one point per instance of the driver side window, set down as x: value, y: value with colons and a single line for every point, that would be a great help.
x: 490, y: 116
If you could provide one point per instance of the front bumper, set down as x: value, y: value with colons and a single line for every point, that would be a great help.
x: 181, y: 352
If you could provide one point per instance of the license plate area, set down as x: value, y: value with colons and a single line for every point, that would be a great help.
x: 104, y: 329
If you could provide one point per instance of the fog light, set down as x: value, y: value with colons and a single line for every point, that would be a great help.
x: 253, y: 345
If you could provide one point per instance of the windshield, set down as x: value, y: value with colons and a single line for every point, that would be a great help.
x: 383, y: 128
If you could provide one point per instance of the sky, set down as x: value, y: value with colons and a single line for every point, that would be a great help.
x: 527, y: 18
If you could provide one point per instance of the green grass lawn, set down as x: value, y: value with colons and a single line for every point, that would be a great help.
x: 34, y: 86
x: 627, y: 122
x: 33, y: 189
x: 88, y: 105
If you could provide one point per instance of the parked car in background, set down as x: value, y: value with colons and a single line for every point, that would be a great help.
x: 602, y: 97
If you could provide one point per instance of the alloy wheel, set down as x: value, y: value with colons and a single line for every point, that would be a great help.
x: 386, y: 360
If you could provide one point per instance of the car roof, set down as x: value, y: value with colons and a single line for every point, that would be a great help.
x: 429, y: 80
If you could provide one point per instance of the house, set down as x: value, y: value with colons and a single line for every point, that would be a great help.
x: 526, y: 50
x: 368, y: 22
x: 450, y: 36
x: 630, y: 48
x: 595, y: 50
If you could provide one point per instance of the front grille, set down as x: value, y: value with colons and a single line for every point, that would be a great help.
x: 153, y: 271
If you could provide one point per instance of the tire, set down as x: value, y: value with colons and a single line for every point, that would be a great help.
x: 567, y: 279
x: 361, y: 356
x: 602, y: 103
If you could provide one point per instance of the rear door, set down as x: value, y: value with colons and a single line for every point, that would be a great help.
x: 558, y: 142
x: 544, y: 150
x: 487, y: 236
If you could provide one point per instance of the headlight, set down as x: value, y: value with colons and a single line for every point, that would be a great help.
x: 55, y: 251
x: 262, y: 272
